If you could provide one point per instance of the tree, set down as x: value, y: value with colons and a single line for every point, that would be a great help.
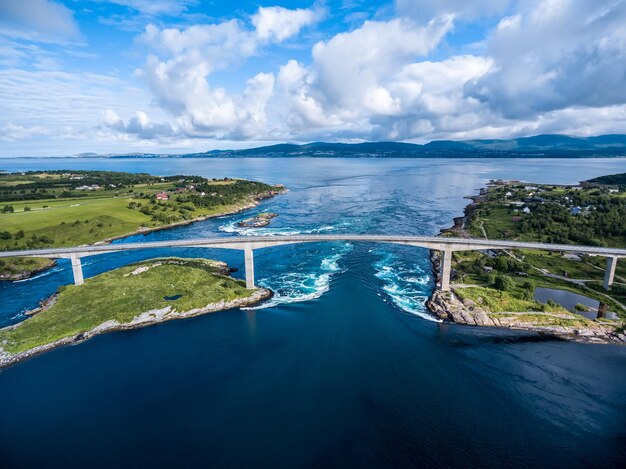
x: 503, y: 283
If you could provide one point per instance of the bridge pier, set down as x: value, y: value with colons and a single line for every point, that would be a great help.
x: 249, y: 260
x: 609, y: 273
x: 77, y: 269
x: 446, y: 269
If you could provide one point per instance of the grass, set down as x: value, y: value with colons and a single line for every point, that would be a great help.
x: 99, y: 215
x: 496, y: 301
x: 10, y: 266
x: 547, y: 320
x: 560, y: 265
x: 112, y: 295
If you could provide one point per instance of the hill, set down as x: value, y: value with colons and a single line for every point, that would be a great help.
x: 538, y: 146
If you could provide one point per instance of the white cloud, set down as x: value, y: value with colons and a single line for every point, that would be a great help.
x: 355, y: 78
x: 139, y: 125
x: 12, y: 132
x: 547, y: 66
x: 278, y: 23
x: 555, y: 54
x: 178, y: 71
x: 39, y: 20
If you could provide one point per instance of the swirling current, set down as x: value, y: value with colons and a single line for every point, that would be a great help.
x: 343, y: 366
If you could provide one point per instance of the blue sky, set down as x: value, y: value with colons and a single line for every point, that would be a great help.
x: 190, y: 75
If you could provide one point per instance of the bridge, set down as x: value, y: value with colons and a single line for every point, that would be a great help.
x: 248, y: 244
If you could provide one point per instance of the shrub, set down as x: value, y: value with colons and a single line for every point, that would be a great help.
x: 503, y: 282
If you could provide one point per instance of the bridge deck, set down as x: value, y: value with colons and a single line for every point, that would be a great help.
x: 258, y: 242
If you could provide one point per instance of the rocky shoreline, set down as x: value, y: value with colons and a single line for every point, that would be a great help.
x: 258, y: 221
x: 26, y: 273
x: 147, y: 318
x: 448, y: 307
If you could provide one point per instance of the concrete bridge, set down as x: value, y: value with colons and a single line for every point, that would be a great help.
x: 248, y: 244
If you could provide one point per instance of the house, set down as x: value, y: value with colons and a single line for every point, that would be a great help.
x: 488, y: 269
x: 575, y: 210
x: 162, y: 196
x: 613, y: 191
x: 508, y: 194
x: 526, y: 210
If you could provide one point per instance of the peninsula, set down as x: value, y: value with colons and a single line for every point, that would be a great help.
x: 561, y: 295
x: 68, y: 208
x: 133, y: 296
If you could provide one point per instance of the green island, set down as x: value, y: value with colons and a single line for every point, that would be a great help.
x: 68, y: 208
x: 501, y: 288
x: 129, y: 297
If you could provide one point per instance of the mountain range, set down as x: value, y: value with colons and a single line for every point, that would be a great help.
x: 547, y: 146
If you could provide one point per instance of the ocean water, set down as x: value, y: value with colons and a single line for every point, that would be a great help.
x: 344, y: 366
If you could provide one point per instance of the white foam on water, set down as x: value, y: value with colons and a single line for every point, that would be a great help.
x: 303, y: 286
x: 45, y: 273
x: 405, y: 287
x: 247, y: 231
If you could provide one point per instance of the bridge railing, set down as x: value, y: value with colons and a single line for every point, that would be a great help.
x: 248, y: 244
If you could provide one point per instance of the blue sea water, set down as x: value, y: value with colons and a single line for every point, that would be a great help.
x: 344, y: 366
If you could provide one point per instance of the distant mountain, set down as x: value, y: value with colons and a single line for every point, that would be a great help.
x: 539, y: 146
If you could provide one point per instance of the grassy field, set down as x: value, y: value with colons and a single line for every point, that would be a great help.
x: 496, y: 301
x: 117, y: 295
x: 49, y: 210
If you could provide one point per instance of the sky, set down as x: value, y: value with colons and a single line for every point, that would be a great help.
x: 170, y: 76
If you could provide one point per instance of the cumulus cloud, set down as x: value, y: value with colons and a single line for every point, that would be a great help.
x: 363, y: 81
x: 278, y: 23
x: 139, y: 125
x: 555, y: 54
x: 40, y: 20
x: 182, y: 60
x: 547, y: 66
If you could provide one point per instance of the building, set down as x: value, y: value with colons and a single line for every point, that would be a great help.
x: 162, y: 196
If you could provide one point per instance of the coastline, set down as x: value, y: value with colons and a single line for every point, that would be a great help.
x: 27, y: 273
x: 256, y: 200
x: 144, y: 319
x: 449, y: 308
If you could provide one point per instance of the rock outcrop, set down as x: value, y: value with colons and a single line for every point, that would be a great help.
x: 448, y: 307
